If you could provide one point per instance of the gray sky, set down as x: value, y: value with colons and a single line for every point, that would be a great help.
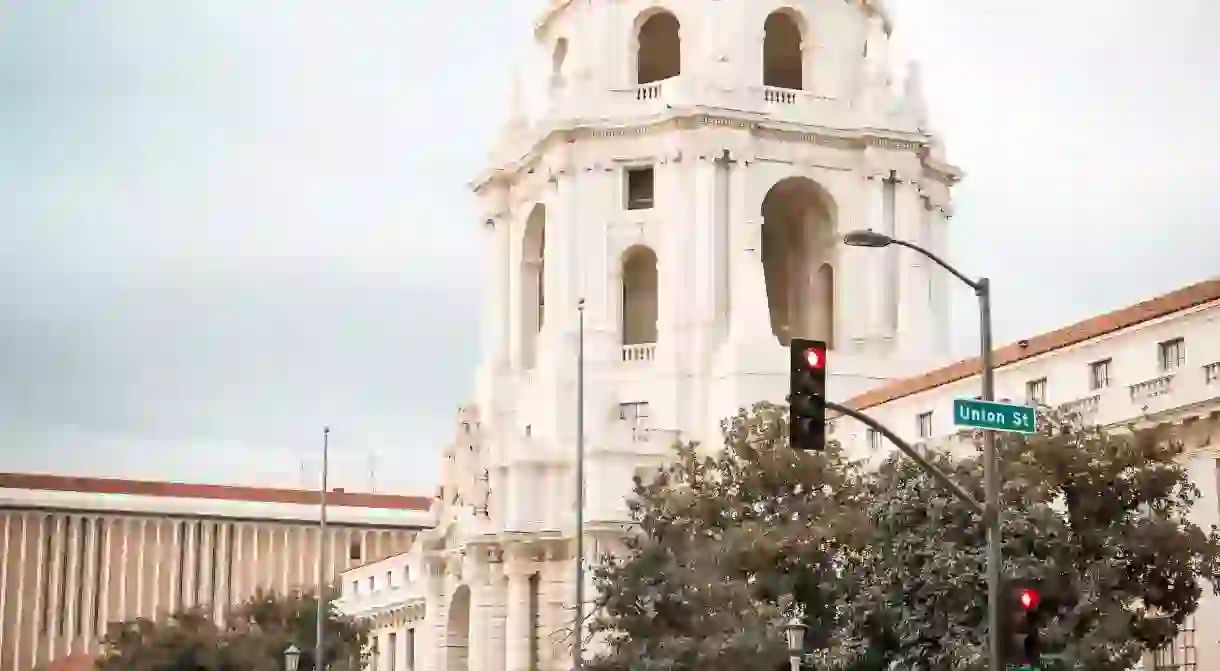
x: 225, y: 223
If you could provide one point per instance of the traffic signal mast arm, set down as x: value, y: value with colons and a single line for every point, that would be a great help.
x: 932, y: 470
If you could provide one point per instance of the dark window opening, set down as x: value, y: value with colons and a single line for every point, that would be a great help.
x: 639, y: 188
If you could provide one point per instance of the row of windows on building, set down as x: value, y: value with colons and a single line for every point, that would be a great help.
x: 391, y: 579
x: 1171, y: 355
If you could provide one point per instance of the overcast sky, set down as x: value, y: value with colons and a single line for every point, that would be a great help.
x: 226, y: 223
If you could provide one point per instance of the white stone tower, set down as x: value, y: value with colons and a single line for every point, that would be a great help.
x: 690, y: 178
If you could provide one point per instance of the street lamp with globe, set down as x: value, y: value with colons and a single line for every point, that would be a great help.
x: 292, y: 657
x: 795, y: 632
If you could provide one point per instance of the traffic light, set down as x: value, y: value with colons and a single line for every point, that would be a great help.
x: 807, y: 395
x: 1025, y: 613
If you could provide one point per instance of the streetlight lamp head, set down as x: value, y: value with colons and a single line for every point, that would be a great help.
x: 795, y: 631
x: 292, y: 657
x: 868, y: 238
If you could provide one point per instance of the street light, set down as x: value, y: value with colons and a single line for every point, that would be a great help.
x: 867, y: 239
x: 991, y: 471
x: 292, y: 657
x: 795, y: 631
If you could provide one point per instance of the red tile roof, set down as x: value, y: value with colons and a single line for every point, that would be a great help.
x: 1155, y: 308
x: 216, y: 492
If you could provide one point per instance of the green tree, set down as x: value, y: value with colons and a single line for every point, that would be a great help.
x: 185, y: 641
x: 1098, y: 516
x: 724, y: 546
x: 256, y: 634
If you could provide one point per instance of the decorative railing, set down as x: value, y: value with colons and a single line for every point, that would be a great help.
x: 774, y: 94
x: 651, y: 91
x: 1149, y: 389
x: 1085, y: 407
x: 639, y: 353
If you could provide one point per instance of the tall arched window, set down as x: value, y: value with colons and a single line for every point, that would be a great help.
x: 639, y: 296
x: 798, y: 243
x: 783, y: 65
x: 533, y: 283
x: 558, y: 56
x: 658, y: 52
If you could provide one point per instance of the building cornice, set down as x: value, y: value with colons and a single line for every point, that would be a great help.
x: 696, y: 117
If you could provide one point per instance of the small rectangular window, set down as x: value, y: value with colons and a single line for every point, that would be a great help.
x: 632, y: 412
x: 372, y: 584
x: 409, y: 653
x: 1035, y: 391
x: 639, y: 188
x: 874, y: 439
x: 391, y: 652
x: 389, y: 578
x: 1172, y: 354
x: 355, y: 587
x: 1099, y: 375
x: 924, y: 424
x: 354, y: 550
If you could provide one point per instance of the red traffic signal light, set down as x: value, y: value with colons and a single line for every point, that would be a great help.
x: 815, y: 358
x: 1028, y: 598
x: 807, y: 395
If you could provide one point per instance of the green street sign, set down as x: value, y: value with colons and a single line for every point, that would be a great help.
x: 995, y: 416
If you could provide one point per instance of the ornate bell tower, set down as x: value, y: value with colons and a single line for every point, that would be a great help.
x: 690, y: 174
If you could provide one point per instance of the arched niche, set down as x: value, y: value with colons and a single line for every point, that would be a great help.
x: 798, y: 253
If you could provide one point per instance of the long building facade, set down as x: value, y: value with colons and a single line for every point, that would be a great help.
x: 79, y: 553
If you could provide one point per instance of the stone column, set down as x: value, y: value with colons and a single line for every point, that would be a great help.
x: 482, y: 604
x: 879, y: 260
x: 940, y: 279
x: 911, y: 273
x: 433, y: 629
x: 517, y: 625
x: 749, y: 318
x: 495, y: 629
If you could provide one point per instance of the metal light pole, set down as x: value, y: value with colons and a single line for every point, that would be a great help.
x: 319, y: 662
x: 991, y: 470
x: 578, y: 644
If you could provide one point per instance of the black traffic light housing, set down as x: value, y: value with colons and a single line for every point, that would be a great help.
x: 1026, y: 615
x: 807, y: 395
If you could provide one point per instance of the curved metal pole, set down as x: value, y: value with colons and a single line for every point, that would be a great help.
x: 903, y: 445
x: 940, y: 262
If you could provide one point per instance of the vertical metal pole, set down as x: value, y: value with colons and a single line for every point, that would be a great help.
x: 578, y: 644
x: 319, y: 661
x: 991, y: 483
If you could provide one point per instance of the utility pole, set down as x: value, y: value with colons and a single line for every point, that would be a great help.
x: 578, y: 643
x: 319, y: 654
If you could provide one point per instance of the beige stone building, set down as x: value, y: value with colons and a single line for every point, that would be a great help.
x: 81, y: 552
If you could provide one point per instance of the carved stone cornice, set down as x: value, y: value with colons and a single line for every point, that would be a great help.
x: 854, y: 140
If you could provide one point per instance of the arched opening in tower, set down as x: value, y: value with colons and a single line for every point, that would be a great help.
x: 558, y: 56
x: 639, y: 296
x: 783, y: 65
x: 658, y: 48
x: 533, y: 283
x: 457, y: 630
x: 798, y: 253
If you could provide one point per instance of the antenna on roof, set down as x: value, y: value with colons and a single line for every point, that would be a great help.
x: 304, y: 476
x: 373, y: 473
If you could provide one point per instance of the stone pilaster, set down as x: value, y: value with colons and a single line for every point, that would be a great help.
x: 912, y: 272
x: 749, y: 320
x: 517, y: 625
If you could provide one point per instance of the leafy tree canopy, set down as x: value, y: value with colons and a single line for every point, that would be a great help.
x: 886, y: 568
x: 254, y: 638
